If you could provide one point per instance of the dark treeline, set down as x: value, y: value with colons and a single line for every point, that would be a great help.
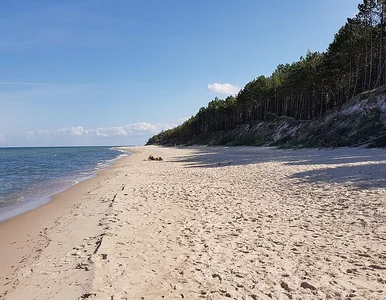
x: 354, y: 62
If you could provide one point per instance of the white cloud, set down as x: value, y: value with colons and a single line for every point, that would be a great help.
x: 226, y: 88
x: 142, y: 127
x: 2, y: 138
x: 72, y: 131
x: 109, y: 131
x: 18, y: 83
x: 38, y: 134
x: 182, y: 120
x: 129, y: 130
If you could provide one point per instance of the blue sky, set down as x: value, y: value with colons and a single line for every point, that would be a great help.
x: 97, y: 72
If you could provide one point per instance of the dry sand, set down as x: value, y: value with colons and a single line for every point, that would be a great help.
x: 208, y: 223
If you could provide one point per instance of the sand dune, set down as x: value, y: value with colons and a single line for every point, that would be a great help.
x: 210, y: 223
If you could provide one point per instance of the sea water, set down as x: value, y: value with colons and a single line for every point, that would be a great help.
x: 29, y: 177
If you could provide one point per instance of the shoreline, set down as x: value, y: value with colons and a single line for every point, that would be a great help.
x: 22, y: 236
x: 208, y: 223
x: 12, y: 211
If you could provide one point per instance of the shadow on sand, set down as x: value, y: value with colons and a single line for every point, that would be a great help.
x: 334, y: 165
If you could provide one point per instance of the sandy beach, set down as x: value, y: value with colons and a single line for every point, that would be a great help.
x: 208, y: 223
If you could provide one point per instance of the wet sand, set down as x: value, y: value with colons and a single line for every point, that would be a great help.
x: 208, y: 223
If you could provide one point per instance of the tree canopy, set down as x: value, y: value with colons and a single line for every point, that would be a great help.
x: 354, y: 62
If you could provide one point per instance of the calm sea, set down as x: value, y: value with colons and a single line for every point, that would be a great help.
x: 29, y: 177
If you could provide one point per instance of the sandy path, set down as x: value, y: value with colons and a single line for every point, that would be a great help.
x: 238, y: 223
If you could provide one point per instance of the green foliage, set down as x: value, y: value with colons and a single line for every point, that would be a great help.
x: 379, y: 143
x: 307, y: 89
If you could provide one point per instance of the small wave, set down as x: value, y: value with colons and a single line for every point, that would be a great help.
x: 40, y: 189
x: 121, y: 150
x: 85, y: 172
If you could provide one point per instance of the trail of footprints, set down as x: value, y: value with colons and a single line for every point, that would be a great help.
x: 88, y: 252
x: 233, y: 245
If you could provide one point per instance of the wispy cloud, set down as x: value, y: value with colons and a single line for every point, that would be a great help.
x: 13, y: 88
x: 182, y: 120
x: 134, y: 129
x: 19, y: 83
x: 2, y: 138
x: 225, y: 88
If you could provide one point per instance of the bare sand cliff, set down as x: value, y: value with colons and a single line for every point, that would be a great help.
x: 208, y: 223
